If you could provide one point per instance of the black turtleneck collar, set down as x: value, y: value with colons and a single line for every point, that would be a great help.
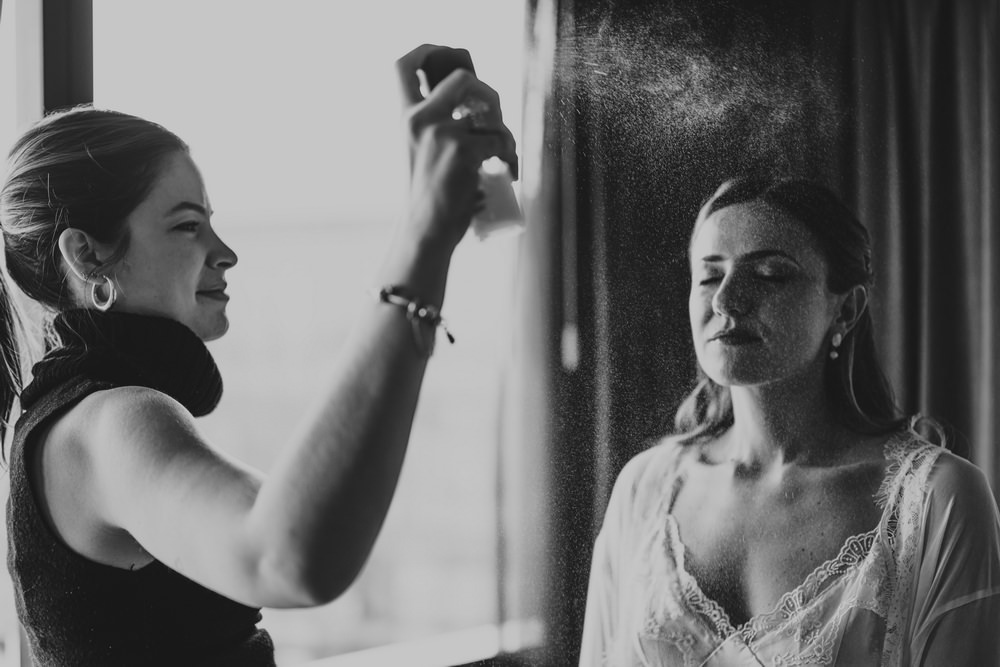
x: 127, y: 349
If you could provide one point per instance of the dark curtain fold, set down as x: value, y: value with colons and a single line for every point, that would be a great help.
x: 651, y: 104
x: 923, y: 81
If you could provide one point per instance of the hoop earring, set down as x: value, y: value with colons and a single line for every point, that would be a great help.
x: 105, y: 305
x: 835, y: 342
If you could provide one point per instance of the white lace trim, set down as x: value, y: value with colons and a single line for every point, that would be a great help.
x: 909, y: 461
x: 791, y: 605
x: 693, y: 595
x: 906, y: 503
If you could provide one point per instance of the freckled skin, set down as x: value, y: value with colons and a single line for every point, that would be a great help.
x: 755, y: 528
x: 791, y: 316
x: 173, y: 255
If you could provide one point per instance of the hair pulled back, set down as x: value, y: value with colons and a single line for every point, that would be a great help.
x: 863, y: 396
x: 83, y: 168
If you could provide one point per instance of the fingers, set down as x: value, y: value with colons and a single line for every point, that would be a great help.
x: 459, y: 88
x: 454, y: 89
x: 486, y: 132
x: 448, y: 151
x: 470, y: 147
x: 460, y: 91
x: 484, y: 142
x: 439, y: 63
x: 407, y: 67
x: 500, y: 144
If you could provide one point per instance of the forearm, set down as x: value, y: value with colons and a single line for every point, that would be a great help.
x: 317, y: 515
x: 319, y: 511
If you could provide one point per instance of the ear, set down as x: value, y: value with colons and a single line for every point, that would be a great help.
x: 852, y: 307
x: 79, y: 251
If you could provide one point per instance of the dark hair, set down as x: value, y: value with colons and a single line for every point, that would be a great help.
x: 83, y: 168
x: 863, y: 395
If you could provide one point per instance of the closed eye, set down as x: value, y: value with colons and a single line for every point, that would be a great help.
x: 189, y: 226
x: 775, y: 276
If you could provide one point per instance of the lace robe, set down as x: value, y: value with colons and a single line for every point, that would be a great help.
x: 921, y: 588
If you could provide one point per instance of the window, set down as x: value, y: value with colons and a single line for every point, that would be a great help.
x: 291, y: 112
x: 8, y: 131
x: 20, y: 104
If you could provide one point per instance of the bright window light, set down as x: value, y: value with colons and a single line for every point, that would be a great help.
x: 9, y: 128
x: 292, y: 113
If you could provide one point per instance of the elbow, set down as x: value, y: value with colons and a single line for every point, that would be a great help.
x: 323, y: 587
x: 293, y: 582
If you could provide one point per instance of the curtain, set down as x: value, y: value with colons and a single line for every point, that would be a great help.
x: 923, y: 80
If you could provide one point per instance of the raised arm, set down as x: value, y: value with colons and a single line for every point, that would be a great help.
x: 300, y: 536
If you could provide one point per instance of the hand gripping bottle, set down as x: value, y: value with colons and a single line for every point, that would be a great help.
x: 501, y: 212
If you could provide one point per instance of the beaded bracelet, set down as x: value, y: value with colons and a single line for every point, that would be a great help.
x: 417, y: 313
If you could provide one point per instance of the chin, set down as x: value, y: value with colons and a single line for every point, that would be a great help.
x: 735, y: 379
x: 737, y: 372
x: 209, y: 331
x: 753, y: 374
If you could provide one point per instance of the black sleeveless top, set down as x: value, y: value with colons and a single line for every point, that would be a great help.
x: 80, y: 613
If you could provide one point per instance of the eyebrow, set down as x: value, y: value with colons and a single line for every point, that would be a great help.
x: 755, y: 255
x: 189, y: 206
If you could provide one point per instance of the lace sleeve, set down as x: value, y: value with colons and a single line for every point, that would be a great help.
x: 635, y: 501
x: 956, y: 609
x: 598, y: 624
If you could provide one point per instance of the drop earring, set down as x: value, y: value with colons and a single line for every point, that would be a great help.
x: 835, y: 342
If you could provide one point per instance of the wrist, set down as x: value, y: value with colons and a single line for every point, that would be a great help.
x: 434, y: 223
x: 423, y: 245
x: 419, y: 264
x: 425, y: 319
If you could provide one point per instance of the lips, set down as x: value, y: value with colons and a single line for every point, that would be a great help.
x: 735, y: 336
x: 215, y: 292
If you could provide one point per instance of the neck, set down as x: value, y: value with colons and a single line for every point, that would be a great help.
x: 783, y: 422
x: 124, y: 349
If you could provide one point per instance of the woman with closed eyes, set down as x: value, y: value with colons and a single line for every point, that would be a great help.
x: 796, y: 518
x: 133, y: 541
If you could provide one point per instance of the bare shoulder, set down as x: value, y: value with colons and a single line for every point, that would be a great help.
x: 115, y: 440
x: 106, y: 420
x: 92, y: 450
x: 122, y: 403
x: 98, y: 420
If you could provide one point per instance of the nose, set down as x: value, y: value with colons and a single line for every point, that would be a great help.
x: 222, y: 256
x: 731, y: 297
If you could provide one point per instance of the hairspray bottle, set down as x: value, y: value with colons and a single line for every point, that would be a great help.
x: 501, y: 212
